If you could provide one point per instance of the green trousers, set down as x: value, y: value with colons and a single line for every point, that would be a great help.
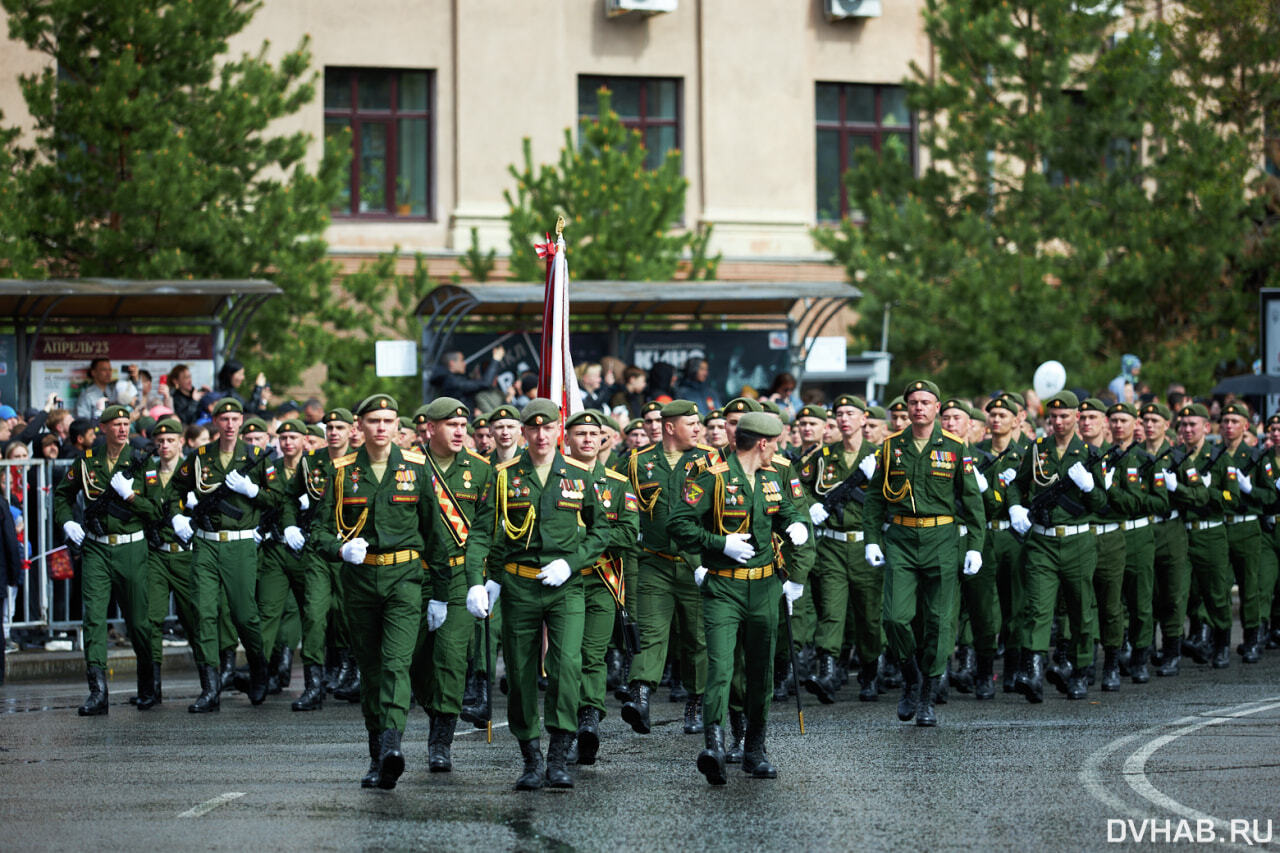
x: 740, y: 617
x: 920, y: 579
x: 324, y: 616
x: 1172, y: 577
x: 846, y: 589
x: 1268, y: 575
x: 1002, y: 554
x: 665, y: 591
x: 281, y: 573
x: 230, y: 567
x: 1139, y: 585
x: 980, y: 599
x: 384, y: 609
x: 170, y: 571
x: 527, y: 605
x: 1060, y: 564
x: 600, y: 613
x: 439, y: 669
x: 120, y: 569
x: 1210, y: 576
x: 475, y: 648
x: 1108, y: 589
x: 1244, y: 553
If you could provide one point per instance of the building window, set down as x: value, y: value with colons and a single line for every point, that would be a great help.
x: 389, y: 115
x: 856, y: 120
x: 650, y: 105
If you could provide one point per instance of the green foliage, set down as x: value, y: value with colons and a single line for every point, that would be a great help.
x: 479, y: 265
x: 620, y: 215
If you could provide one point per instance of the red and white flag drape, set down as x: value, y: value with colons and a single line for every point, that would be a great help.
x: 556, y: 379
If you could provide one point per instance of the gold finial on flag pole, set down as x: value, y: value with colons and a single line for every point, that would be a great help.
x: 559, y: 226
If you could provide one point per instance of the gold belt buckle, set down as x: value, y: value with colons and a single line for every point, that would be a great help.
x: 111, y: 538
x: 222, y: 536
x: 1059, y: 531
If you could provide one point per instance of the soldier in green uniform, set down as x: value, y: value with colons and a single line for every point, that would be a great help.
x: 463, y: 483
x: 549, y: 526
x: 728, y: 514
x: 717, y: 436
x: 1244, y: 531
x: 898, y: 417
x: 1170, y: 572
x: 229, y: 478
x: 1269, y: 566
x: 651, y: 415
x: 113, y: 556
x: 876, y: 425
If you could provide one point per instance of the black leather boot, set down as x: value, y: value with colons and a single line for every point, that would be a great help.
x: 636, y: 712
x: 273, y: 671
x: 335, y: 666
x: 1273, y: 637
x: 942, y: 689
x: 867, y: 691
x: 1138, y: 671
x: 257, y: 679
x: 349, y: 687
x: 1110, y: 670
x: 1124, y: 656
x: 284, y: 672
x: 1221, y: 648
x: 754, y: 759
x: 370, y: 779
x: 312, y: 698
x: 558, y: 759
x: 472, y: 685
x: 693, y: 715
x: 1060, y: 671
x: 1011, y: 666
x: 1078, y: 684
x: 209, y: 699
x: 781, y: 682
x: 890, y: 672
x: 1171, y: 658
x: 823, y: 681
x: 155, y: 676
x: 147, y: 696
x: 623, y: 691
x: 588, y: 735
x: 1252, y: 649
x: 1031, y: 678
x: 925, y: 714
x: 96, y: 705
x: 612, y: 669
x: 910, y: 689
x: 440, y: 743
x: 227, y: 674
x: 984, y: 677
x: 534, y: 768
x: 679, y: 692
x: 963, y: 675
x: 478, y: 714
x: 738, y: 730
x: 390, y: 760
x: 1199, y: 643
x: 712, y: 759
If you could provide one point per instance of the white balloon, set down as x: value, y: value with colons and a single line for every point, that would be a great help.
x: 1049, y: 379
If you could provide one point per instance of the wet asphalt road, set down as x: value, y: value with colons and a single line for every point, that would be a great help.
x: 1001, y: 775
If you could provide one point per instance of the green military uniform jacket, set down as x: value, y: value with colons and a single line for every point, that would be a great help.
x: 621, y: 508
x: 824, y: 469
x: 202, y: 473
x: 156, y: 501
x: 939, y: 480
x: 1125, y: 499
x: 657, y: 487
x: 467, y: 486
x: 1042, y: 469
x: 315, y: 472
x: 1256, y: 464
x: 91, y: 475
x: 283, y: 487
x: 995, y: 499
x: 1207, y: 502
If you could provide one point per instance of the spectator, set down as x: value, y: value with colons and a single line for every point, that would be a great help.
x: 16, y: 476
x: 662, y: 382
x: 231, y: 377
x: 96, y: 395
x: 57, y: 423
x: 613, y: 368
x: 452, y: 381
x: 634, y: 381
x: 592, y: 387
x: 81, y: 436
x: 312, y: 411
x: 11, y: 563
x: 50, y: 447
x: 524, y: 389
x: 149, y: 395
x: 783, y: 392
x: 696, y: 385
x: 195, y: 436
x: 184, y: 396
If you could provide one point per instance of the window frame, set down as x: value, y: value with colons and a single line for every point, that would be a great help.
x: 644, y: 122
x: 845, y: 129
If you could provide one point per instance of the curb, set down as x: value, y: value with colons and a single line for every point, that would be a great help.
x: 40, y: 665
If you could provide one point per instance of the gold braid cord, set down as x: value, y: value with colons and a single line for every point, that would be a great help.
x: 817, y: 480
x: 345, y: 533
x: 1037, y: 471
x: 203, y: 487
x: 646, y: 506
x: 312, y: 492
x: 501, y: 518
x: 84, y: 483
x: 895, y: 496
x: 719, y: 510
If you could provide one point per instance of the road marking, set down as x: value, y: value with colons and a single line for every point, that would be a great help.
x: 210, y: 805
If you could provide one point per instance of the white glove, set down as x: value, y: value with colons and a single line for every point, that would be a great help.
x: 192, y: 500
x: 257, y: 537
x: 1109, y: 478
x: 1246, y: 484
x: 792, y: 591
x: 354, y: 551
x: 1008, y: 475
x: 238, y: 482
x: 868, y: 466
x: 1020, y: 518
x: 983, y: 485
x: 972, y: 562
x: 699, y: 575
x: 74, y: 532
x: 122, y: 484
x: 182, y: 527
x: 478, y: 601
x: 437, y: 612
x: 1207, y: 479
x: 304, y: 501
x: 798, y: 533
x: 737, y: 548
x: 554, y: 573
x: 494, y: 589
x: 1170, y: 480
x: 1081, y: 477
x: 875, y: 557
x: 818, y: 514
x: 293, y: 537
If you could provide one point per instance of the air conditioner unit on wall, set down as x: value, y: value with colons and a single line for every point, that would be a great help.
x: 839, y: 9
x: 613, y: 8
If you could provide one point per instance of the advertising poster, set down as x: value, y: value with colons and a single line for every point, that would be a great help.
x: 61, y: 362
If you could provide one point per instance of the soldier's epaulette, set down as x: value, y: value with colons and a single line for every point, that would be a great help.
x: 826, y: 450
x: 201, y: 450
x: 477, y: 456
x: 718, y: 468
x: 611, y: 474
x: 706, y: 448
x: 779, y: 459
x: 1040, y: 440
x: 502, y: 466
x: 896, y: 434
x: 88, y: 452
x: 256, y: 451
x: 585, y: 466
x: 413, y: 456
x: 953, y: 436
x: 344, y: 461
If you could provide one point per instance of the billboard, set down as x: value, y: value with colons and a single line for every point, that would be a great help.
x: 60, y: 364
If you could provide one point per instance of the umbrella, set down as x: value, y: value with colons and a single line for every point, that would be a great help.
x: 1251, y: 384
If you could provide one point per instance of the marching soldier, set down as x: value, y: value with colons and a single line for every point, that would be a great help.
x: 114, y: 554
x: 1171, y: 574
x: 504, y: 423
x: 716, y: 436
x: 482, y: 435
x: 1244, y: 533
x: 1269, y: 567
x: 876, y: 426
x: 1108, y: 573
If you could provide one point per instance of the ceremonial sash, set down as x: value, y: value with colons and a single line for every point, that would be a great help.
x: 454, y: 520
x: 609, y: 569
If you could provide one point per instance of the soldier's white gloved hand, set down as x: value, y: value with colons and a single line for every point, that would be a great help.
x: 478, y: 601
x: 798, y: 533
x: 983, y: 485
x: 972, y: 562
x: 1081, y: 477
x: 437, y: 612
x: 792, y: 591
x: 699, y: 575
x: 257, y: 537
x: 1207, y: 479
x: 1246, y: 483
x: 74, y: 532
x: 554, y: 573
x: 875, y: 557
x: 123, y: 485
x: 868, y: 465
x: 182, y: 527
x: 293, y: 537
x: 737, y: 548
x: 493, y: 589
x: 1171, y: 481
x: 192, y: 500
x: 1007, y: 476
x: 304, y: 501
x: 241, y: 484
x: 1109, y: 478
x: 818, y: 514
x: 1020, y: 518
x: 354, y: 551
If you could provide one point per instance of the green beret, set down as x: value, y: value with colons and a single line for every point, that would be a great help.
x: 877, y: 413
x: 168, y: 426
x: 771, y: 407
x: 651, y: 406
x: 812, y: 411
x: 586, y: 417
x: 977, y: 414
x: 253, y: 425
x: 145, y: 424
x: 504, y: 413
x: 291, y: 425
x: 1193, y: 410
x: 406, y: 423
x: 742, y: 404
x: 1004, y: 402
x: 760, y: 423
x: 341, y: 415
x: 921, y: 385
x: 227, y: 404
x: 849, y: 400
x: 539, y: 411
x: 480, y: 422
x: 1160, y: 409
x: 316, y: 430
x: 956, y: 403
x: 679, y: 408
x: 1274, y: 419
x: 1236, y: 408
x: 634, y: 424
x: 1122, y: 409
x: 898, y: 404
x: 1062, y: 400
x: 714, y: 415
x: 377, y: 403
x: 1017, y: 398
x: 442, y: 409
x: 1092, y: 404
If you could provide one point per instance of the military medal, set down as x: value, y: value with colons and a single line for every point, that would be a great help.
x: 355, y: 480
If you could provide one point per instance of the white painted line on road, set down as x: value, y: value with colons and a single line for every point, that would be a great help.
x: 209, y: 805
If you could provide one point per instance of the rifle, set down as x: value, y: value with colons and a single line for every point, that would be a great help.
x: 216, y: 501
x: 850, y: 489
x: 991, y: 460
x: 1176, y: 458
x: 1055, y: 495
x: 108, y: 502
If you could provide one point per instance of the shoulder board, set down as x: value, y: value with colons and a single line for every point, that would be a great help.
x: 414, y: 456
x: 88, y: 453
x: 953, y: 436
x: 1040, y: 440
x: 611, y: 474
x: 826, y: 450
x: 779, y: 459
x: 896, y: 434
x: 344, y: 461
x: 706, y: 447
x: 256, y: 451
x: 501, y: 466
x: 719, y: 468
x: 471, y: 453
x: 813, y: 453
x: 585, y: 466
x: 202, y: 448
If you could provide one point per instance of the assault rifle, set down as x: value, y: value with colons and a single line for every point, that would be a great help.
x: 108, y: 502
x: 216, y: 501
